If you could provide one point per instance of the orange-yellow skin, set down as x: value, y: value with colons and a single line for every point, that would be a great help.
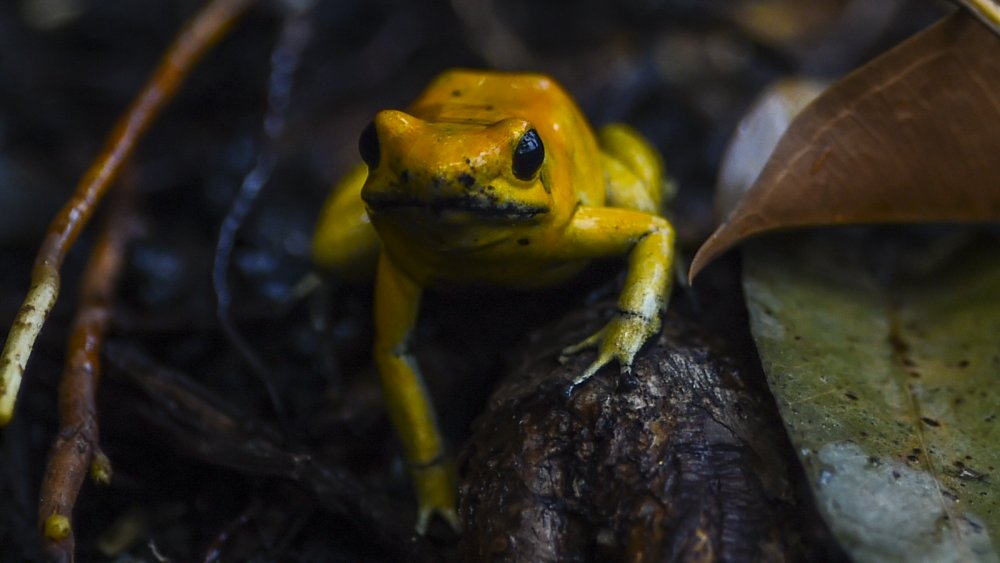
x: 448, y: 210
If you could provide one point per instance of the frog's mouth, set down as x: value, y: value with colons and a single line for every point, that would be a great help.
x: 482, y: 207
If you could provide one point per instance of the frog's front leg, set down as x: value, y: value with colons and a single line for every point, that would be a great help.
x: 345, y: 243
x: 648, y: 239
x: 397, y: 304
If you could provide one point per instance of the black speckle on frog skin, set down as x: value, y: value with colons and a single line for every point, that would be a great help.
x: 438, y: 183
x: 523, y: 241
x: 466, y: 180
x: 485, y: 206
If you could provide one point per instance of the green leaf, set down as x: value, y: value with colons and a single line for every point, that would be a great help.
x: 884, y: 355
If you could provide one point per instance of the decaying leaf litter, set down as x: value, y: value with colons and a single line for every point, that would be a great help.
x: 881, y: 345
x: 875, y: 147
x: 883, y: 375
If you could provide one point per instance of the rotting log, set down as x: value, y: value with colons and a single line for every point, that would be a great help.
x: 685, y: 461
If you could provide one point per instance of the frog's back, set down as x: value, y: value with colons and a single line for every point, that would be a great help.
x: 486, y: 97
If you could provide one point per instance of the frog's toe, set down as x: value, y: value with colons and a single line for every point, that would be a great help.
x: 620, y: 340
x: 604, y: 356
x: 590, y: 342
x: 435, y: 487
x: 448, y: 514
x: 602, y: 360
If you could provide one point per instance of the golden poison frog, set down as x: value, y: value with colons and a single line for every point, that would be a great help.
x: 491, y: 179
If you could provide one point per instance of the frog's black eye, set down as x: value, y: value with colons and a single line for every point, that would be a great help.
x: 368, y: 146
x: 528, y: 155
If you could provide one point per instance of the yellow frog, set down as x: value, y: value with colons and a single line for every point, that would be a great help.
x: 491, y: 179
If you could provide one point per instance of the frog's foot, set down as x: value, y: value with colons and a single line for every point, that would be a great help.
x: 436, y: 489
x: 619, y: 340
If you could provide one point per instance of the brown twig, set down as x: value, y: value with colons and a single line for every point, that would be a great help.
x: 76, y: 445
x: 201, y: 32
x: 214, y: 553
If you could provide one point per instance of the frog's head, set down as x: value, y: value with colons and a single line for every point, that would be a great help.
x: 455, y: 172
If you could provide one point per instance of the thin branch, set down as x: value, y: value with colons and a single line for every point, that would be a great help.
x: 988, y: 12
x: 201, y: 32
x: 76, y: 446
x: 285, y: 58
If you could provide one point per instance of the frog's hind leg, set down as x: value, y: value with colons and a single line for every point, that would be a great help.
x: 345, y: 243
x: 634, y: 169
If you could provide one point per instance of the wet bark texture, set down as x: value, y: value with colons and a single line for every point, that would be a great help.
x: 684, y: 463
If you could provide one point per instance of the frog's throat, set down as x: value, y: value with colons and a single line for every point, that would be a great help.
x: 480, y: 206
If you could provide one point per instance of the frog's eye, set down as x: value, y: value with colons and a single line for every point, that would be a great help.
x: 368, y: 146
x: 528, y: 155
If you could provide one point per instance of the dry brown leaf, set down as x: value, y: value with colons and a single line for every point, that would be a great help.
x: 913, y: 136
